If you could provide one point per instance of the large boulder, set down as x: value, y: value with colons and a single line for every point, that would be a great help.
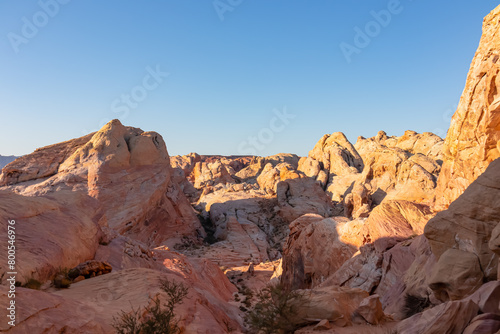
x: 335, y: 154
x: 271, y: 175
x: 316, y: 248
x: 484, y: 324
x: 297, y: 197
x: 336, y: 304
x: 401, y: 219
x: 41, y: 312
x: 468, y: 223
x: 52, y: 232
x: 391, y: 269
x: 456, y: 275
x: 209, y: 174
x: 394, y: 173
x: 472, y: 142
x: 448, y: 318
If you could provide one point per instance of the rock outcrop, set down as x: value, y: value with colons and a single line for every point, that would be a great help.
x: 336, y: 304
x: 90, y: 305
x: 472, y: 140
x: 396, y: 219
x: 359, y: 177
x: 53, y: 232
x: 127, y: 171
x: 394, y: 169
x: 478, y: 313
x: 297, y: 197
x: 316, y: 248
x: 452, y: 318
x: 467, y: 227
x: 63, y: 195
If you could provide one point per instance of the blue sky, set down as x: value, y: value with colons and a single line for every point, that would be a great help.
x: 217, y: 77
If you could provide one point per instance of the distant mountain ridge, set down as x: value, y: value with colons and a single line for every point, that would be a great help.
x: 5, y: 159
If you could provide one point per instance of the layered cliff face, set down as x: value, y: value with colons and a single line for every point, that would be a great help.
x: 472, y: 140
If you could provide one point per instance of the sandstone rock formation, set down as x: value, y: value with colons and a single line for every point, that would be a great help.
x: 257, y: 164
x: 358, y: 177
x: 127, y: 171
x: 297, y: 197
x: 395, y: 173
x: 477, y: 313
x: 53, y: 232
x: 319, y: 249
x: 209, y: 174
x: 452, y: 317
x: 396, y: 219
x: 336, y: 304
x: 346, y: 222
x: 271, y: 175
x: 390, y: 269
x: 315, y: 249
x: 246, y: 228
x: 335, y: 154
x: 39, y: 312
x: 370, y: 310
x: 467, y: 226
x: 67, y: 193
x: 472, y: 140
x: 90, y: 305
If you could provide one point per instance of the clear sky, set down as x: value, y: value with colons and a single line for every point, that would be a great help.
x: 232, y: 76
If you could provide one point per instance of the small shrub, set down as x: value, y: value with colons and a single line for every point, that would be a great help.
x: 156, y: 318
x: 414, y: 304
x: 275, y: 310
x: 32, y: 284
x: 61, y: 279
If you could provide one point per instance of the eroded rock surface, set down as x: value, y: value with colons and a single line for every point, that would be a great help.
x: 468, y: 223
x: 472, y: 140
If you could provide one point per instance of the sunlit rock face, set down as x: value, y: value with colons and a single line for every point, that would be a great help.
x: 126, y: 170
x: 64, y: 194
x: 472, y: 142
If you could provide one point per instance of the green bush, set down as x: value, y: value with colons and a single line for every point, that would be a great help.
x: 274, y: 311
x: 157, y: 318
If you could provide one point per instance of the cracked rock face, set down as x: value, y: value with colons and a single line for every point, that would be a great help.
x: 472, y: 142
